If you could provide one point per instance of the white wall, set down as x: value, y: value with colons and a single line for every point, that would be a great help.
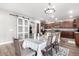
x: 7, y: 26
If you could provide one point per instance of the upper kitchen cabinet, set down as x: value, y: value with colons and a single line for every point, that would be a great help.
x: 77, y: 22
x: 74, y: 23
x: 67, y: 24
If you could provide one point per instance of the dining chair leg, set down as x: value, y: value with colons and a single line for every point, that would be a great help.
x: 35, y: 53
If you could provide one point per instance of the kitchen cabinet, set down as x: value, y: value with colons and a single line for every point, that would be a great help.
x: 67, y: 24
x: 77, y: 38
x: 68, y: 34
x: 77, y: 22
x: 22, y: 28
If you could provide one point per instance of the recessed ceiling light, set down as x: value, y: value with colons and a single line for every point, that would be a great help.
x: 71, y: 16
x: 70, y: 11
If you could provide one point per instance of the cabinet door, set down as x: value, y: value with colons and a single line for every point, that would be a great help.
x: 22, y: 28
x: 77, y: 22
x: 77, y: 38
x: 67, y: 34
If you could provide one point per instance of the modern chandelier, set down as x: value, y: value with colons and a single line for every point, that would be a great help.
x: 50, y: 10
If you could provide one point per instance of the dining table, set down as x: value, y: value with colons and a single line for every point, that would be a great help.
x: 35, y: 44
x: 38, y: 44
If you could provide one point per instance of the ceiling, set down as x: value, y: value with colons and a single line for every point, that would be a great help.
x: 36, y: 10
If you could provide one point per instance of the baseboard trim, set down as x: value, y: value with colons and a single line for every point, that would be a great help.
x: 7, y: 42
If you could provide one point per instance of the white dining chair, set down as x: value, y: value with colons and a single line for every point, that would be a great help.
x: 47, y: 51
x: 56, y: 41
x: 56, y: 36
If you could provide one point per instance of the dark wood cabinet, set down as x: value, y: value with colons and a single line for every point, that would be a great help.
x: 67, y: 25
x: 66, y: 34
x: 74, y: 23
x: 77, y: 22
x: 77, y: 38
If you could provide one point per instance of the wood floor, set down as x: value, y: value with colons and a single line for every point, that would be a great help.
x: 73, y: 49
x: 9, y: 50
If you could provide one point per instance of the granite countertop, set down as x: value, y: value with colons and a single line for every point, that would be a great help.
x: 65, y: 29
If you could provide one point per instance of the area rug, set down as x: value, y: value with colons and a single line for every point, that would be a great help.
x: 62, y: 52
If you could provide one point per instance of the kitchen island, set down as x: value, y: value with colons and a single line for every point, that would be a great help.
x: 66, y: 32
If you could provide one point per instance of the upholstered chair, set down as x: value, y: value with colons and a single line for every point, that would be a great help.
x: 19, y: 51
